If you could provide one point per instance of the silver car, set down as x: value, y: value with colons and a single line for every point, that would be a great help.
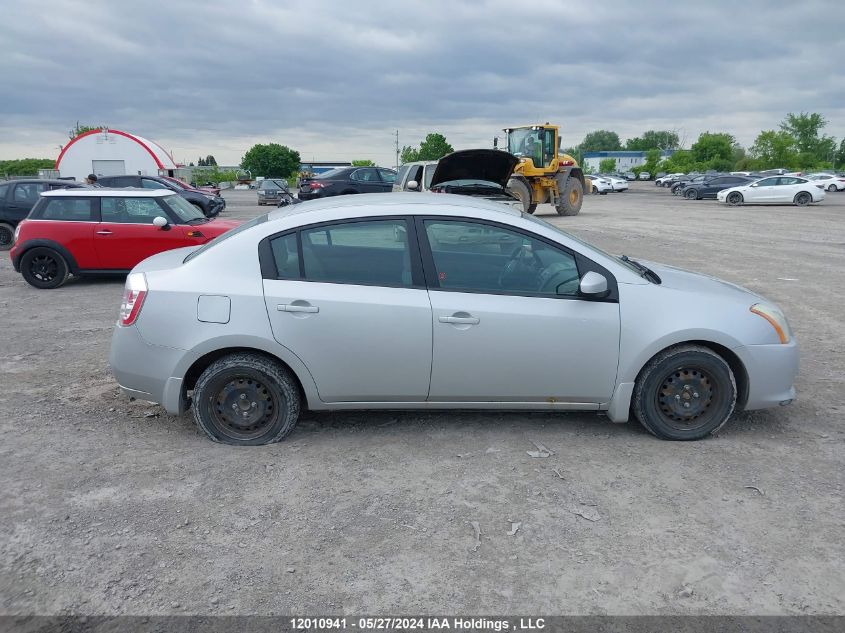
x: 403, y: 301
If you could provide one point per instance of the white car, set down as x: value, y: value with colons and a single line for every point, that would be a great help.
x: 644, y: 175
x: 830, y: 182
x: 617, y: 183
x: 775, y: 189
x: 599, y: 185
x: 664, y: 181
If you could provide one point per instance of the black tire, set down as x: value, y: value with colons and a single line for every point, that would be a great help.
x: 254, y: 386
x: 685, y: 392
x: 802, y: 198
x: 735, y: 199
x: 571, y: 194
x: 44, y: 268
x: 595, y: 190
x: 521, y: 190
x: 676, y: 190
x: 691, y: 194
x: 831, y: 188
x: 7, y: 236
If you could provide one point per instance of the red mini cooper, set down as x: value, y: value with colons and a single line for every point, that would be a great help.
x: 97, y: 231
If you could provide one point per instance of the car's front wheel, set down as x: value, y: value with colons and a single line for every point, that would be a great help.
x: 686, y: 392
x: 246, y: 400
x: 44, y: 268
x: 691, y: 194
x: 831, y: 188
x: 734, y: 198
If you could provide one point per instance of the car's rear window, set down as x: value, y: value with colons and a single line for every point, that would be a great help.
x: 66, y: 209
x: 221, y: 238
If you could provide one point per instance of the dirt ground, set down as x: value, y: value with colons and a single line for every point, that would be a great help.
x: 112, y: 507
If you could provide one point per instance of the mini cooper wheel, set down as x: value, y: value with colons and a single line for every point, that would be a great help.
x: 684, y: 393
x: 246, y: 400
x: 803, y: 199
x: 734, y: 199
x: 44, y: 268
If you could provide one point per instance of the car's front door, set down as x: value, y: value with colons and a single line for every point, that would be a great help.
x: 763, y: 190
x: 508, y: 321
x: 126, y: 234
x: 348, y: 298
x: 367, y: 180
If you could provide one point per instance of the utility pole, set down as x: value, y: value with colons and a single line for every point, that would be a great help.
x: 397, y: 150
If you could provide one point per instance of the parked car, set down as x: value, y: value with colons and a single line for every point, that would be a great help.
x: 208, y: 188
x: 598, y: 185
x: 17, y: 197
x: 829, y: 181
x: 209, y: 204
x: 347, y: 180
x: 644, y: 175
x: 418, y: 173
x: 617, y: 183
x: 94, y: 231
x: 677, y: 186
x: 666, y: 179
x: 708, y: 188
x: 330, y: 306
x: 774, y: 189
x: 629, y: 175
x: 272, y: 190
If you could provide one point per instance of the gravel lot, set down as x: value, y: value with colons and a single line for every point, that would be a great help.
x: 111, y: 507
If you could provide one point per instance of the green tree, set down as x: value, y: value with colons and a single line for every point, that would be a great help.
x: 607, y: 165
x: 25, y: 166
x: 434, y: 147
x: 409, y: 154
x: 652, y: 158
x: 209, y: 160
x: 601, y: 141
x: 363, y: 162
x: 81, y: 129
x: 271, y: 160
x: 712, y: 148
x: 774, y: 148
x: 653, y: 139
x: 812, y: 146
x: 839, y: 158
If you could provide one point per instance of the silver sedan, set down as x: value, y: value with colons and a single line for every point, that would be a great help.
x: 408, y: 301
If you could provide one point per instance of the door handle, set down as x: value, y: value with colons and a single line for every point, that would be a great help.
x: 103, y: 232
x: 293, y: 307
x: 468, y: 320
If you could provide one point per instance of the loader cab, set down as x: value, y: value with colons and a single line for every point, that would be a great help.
x: 536, y: 142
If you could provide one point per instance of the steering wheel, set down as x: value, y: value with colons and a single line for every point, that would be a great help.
x: 522, y: 259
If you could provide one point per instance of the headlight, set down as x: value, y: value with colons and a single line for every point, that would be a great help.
x: 775, y: 318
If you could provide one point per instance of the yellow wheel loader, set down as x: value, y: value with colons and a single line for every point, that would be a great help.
x: 543, y: 174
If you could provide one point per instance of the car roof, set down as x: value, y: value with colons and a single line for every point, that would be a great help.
x: 434, y: 203
x: 127, y: 192
x: 49, y: 181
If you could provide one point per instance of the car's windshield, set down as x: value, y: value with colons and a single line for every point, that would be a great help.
x: 429, y: 174
x: 271, y: 184
x: 225, y: 236
x: 183, y: 209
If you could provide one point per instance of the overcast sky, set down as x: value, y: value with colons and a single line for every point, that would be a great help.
x: 335, y: 79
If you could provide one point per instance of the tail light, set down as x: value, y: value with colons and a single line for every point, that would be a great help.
x: 18, y: 231
x: 133, y: 298
x: 316, y: 185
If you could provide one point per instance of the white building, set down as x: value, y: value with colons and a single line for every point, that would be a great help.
x: 113, y: 153
x: 626, y: 160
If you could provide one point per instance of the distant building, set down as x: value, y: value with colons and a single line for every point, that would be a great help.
x: 320, y: 166
x: 625, y: 160
x: 109, y: 152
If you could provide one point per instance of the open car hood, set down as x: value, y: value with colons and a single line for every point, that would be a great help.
x: 492, y: 165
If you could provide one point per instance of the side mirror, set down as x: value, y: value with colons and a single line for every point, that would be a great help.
x: 754, y: 184
x: 412, y: 185
x: 593, y: 284
x: 161, y: 222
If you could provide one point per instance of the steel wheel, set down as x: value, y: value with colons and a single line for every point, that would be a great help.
x: 243, y: 408
x: 684, y: 397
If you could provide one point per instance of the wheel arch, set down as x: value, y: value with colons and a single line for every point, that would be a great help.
x: 34, y: 243
x: 200, y: 364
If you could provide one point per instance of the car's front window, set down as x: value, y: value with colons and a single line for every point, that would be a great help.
x: 271, y: 184
x: 183, y: 209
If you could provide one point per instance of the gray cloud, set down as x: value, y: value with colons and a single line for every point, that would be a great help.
x: 334, y: 79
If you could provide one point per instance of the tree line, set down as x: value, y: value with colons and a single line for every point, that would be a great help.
x: 799, y: 143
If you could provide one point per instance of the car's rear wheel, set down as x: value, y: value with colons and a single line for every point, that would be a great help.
x: 7, y: 236
x: 831, y: 188
x: 803, y: 199
x: 44, y: 268
x: 676, y: 190
x: 595, y: 190
x: 734, y: 199
x: 691, y: 194
x: 684, y: 393
x: 246, y: 400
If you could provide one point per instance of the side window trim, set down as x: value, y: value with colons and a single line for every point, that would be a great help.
x: 584, y: 264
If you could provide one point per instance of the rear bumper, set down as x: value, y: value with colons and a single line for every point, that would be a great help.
x: 772, y: 370
x: 146, y: 371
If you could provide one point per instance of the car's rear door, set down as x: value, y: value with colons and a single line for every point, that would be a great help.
x: 508, y: 323
x: 348, y: 298
x: 367, y: 180
x: 126, y: 234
